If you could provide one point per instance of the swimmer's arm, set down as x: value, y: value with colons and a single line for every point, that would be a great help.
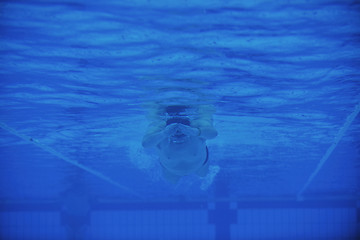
x: 154, y: 135
x: 151, y: 140
x: 207, y: 132
x: 206, y: 128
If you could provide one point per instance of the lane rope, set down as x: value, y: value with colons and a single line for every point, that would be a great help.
x: 66, y: 159
x: 329, y: 151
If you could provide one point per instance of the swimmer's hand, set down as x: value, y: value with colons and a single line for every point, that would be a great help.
x: 187, y: 130
x: 170, y: 129
x: 151, y: 140
x: 177, y: 128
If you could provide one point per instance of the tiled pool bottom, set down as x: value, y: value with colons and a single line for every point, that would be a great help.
x: 220, y: 220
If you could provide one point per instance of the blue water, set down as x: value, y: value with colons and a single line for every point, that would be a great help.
x: 78, y: 79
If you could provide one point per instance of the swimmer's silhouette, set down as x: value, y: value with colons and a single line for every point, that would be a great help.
x: 181, y: 140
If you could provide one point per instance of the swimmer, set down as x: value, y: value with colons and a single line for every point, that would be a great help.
x: 181, y: 141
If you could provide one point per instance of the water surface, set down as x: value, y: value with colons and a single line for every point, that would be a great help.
x: 77, y: 80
